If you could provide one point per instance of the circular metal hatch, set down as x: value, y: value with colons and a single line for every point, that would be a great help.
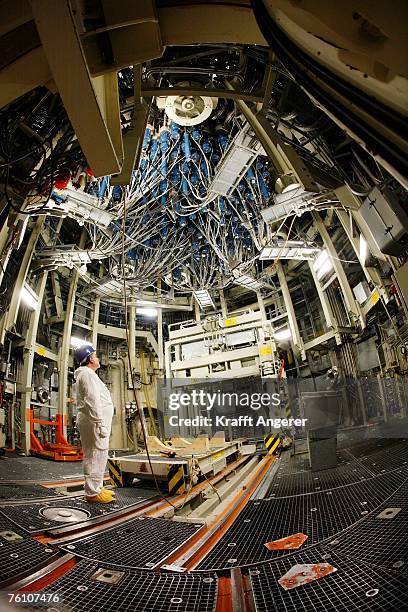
x: 64, y: 515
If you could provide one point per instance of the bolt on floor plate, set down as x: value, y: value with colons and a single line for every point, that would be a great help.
x: 107, y: 576
x: 389, y: 513
x: 11, y: 536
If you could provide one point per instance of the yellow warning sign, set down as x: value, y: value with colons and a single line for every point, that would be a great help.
x: 265, y: 350
x: 41, y: 351
x: 374, y: 297
x: 218, y: 455
x: 230, y: 322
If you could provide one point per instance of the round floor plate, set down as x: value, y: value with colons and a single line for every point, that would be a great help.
x: 64, y: 515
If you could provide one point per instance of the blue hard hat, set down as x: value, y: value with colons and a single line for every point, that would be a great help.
x: 82, y: 353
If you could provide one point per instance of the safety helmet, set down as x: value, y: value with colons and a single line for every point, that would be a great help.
x: 82, y: 353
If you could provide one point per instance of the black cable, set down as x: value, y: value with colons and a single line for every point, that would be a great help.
x: 24, y: 212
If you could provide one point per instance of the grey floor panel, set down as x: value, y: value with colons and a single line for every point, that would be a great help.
x: 299, y: 483
x: 29, y: 516
x: 134, y: 592
x: 354, y: 586
x: 318, y: 515
x: 139, y: 543
x: 34, y: 468
x: 379, y: 541
x: 17, y: 491
x: 19, y: 553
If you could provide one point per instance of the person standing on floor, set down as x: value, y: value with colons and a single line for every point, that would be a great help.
x: 95, y: 412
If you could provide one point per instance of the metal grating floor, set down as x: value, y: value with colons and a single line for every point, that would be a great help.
x: 298, y: 463
x: 28, y: 516
x: 361, y: 448
x: 140, y: 543
x: 310, y: 482
x: 22, y: 556
x: 136, y: 592
x: 387, y: 459
x: 355, y: 586
x: 35, y: 468
x: 379, y: 542
x: 16, y: 491
x: 318, y: 515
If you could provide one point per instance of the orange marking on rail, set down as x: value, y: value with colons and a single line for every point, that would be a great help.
x: 224, y: 595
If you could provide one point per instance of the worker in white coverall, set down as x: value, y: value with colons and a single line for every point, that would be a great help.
x: 95, y: 411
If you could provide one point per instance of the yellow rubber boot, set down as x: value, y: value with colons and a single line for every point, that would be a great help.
x: 102, y: 498
x: 109, y: 491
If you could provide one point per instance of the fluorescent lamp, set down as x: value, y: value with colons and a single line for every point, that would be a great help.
x: 322, y: 264
x: 29, y: 297
x: 283, y: 334
x: 363, y: 250
x: 290, y: 249
x: 77, y: 342
x: 147, y: 312
x: 325, y: 268
x: 203, y: 298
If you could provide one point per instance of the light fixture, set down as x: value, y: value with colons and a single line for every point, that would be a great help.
x: 203, y: 298
x: 77, y: 342
x: 290, y: 249
x: 147, y: 312
x: 363, y: 250
x: 29, y: 297
x: 322, y: 264
x: 282, y: 334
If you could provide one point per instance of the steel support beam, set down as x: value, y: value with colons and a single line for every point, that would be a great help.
x: 28, y: 364
x: 64, y: 352
x: 372, y: 274
x: 351, y: 304
x: 132, y: 337
x: 95, y: 321
x: 228, y: 94
x: 284, y: 158
x: 294, y: 328
x: 10, y: 317
x: 160, y: 344
x: 92, y: 104
x: 331, y: 322
x: 223, y: 304
x: 133, y: 138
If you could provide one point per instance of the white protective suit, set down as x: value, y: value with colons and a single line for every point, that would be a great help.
x: 95, y: 412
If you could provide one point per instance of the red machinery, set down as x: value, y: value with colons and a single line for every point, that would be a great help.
x: 60, y: 450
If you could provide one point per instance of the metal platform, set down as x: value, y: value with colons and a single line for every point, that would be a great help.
x: 19, y: 553
x: 387, y: 459
x: 211, y: 461
x: 318, y: 515
x: 139, y: 544
x: 14, y: 491
x: 93, y: 587
x: 33, y: 468
x: 310, y: 482
x: 40, y: 516
x: 363, y: 448
x: 354, y: 586
x: 379, y: 541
